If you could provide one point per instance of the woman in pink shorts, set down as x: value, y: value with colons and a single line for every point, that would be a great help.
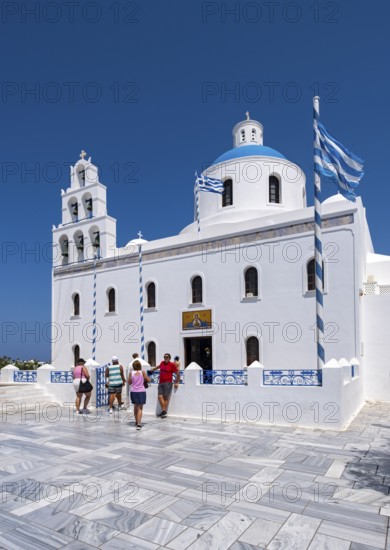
x: 137, y: 391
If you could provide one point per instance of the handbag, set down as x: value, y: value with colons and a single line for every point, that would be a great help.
x: 146, y: 384
x: 85, y: 385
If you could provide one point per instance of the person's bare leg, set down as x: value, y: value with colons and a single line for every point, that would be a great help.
x: 139, y: 419
x: 111, y: 400
x: 87, y: 399
x: 161, y: 400
x: 78, y: 401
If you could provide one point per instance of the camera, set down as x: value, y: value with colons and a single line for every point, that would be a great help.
x: 176, y: 358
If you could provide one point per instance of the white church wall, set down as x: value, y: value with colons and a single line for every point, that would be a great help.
x: 376, y: 338
x: 282, y: 316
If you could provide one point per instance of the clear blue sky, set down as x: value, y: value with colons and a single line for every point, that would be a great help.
x: 144, y: 87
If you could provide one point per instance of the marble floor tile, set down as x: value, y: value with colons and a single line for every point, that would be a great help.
x: 325, y: 542
x: 260, y: 532
x: 157, y: 530
x: 295, y: 534
x: 33, y: 537
x: 204, y: 517
x: 353, y: 534
x: 118, y: 517
x: 185, y: 538
x: 223, y: 534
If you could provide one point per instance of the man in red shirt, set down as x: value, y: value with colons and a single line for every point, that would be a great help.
x: 167, y: 369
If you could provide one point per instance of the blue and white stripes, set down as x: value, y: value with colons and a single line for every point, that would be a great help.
x: 318, y: 251
x: 197, y: 201
x: 94, y: 311
x: 209, y: 185
x: 141, y: 300
x: 333, y: 161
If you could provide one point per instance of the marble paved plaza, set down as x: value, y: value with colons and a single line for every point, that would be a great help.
x: 95, y: 482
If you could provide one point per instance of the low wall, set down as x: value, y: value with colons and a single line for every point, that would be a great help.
x: 328, y: 399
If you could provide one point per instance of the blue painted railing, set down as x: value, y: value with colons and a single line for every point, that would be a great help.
x: 101, y: 390
x: 25, y: 376
x: 61, y: 377
x: 224, y: 377
x: 295, y: 377
x: 155, y: 376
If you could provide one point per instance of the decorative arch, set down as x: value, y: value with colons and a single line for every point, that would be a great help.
x: 78, y: 239
x: 73, y: 207
x: 95, y: 238
x: 87, y: 203
x: 64, y: 247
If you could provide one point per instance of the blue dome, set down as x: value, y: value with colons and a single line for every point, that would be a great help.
x: 249, y: 151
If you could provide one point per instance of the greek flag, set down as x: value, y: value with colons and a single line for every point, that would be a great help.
x: 333, y: 161
x: 210, y: 185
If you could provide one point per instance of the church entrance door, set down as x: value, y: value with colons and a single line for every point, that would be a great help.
x: 199, y: 350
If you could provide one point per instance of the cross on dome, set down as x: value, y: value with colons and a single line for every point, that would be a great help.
x: 82, y: 154
x: 139, y: 235
x: 247, y: 115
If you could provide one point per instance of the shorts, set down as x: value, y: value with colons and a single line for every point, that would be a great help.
x: 115, y: 389
x: 138, y: 397
x: 165, y: 389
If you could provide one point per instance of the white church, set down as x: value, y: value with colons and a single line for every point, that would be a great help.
x: 240, y: 290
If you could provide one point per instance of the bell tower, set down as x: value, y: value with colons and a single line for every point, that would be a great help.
x: 86, y: 231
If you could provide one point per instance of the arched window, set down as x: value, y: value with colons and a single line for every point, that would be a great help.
x: 252, y: 350
x: 76, y: 353
x: 253, y: 138
x: 76, y: 304
x: 151, y: 350
x: 251, y: 282
x: 227, y: 197
x: 64, y: 245
x: 242, y: 136
x: 151, y: 295
x: 111, y: 300
x: 197, y: 290
x: 311, y: 274
x: 274, y: 190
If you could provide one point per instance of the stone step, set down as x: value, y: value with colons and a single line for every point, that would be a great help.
x: 22, y: 397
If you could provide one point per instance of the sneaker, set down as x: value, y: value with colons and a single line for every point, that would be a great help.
x: 122, y: 407
x: 138, y: 426
x: 86, y: 411
x: 79, y: 412
x: 110, y: 411
x: 164, y: 414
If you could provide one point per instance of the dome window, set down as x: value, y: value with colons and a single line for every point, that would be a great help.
x: 227, y: 197
x: 242, y: 136
x: 253, y: 138
x: 274, y: 190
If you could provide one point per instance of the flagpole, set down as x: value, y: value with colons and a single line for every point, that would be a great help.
x: 318, y: 253
x: 94, y: 310
x: 141, y: 298
x: 197, y: 202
